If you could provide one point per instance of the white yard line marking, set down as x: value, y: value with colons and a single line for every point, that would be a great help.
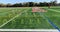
x: 53, y: 10
x: 42, y: 30
x: 12, y: 19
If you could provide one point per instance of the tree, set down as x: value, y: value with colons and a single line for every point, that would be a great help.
x: 31, y: 4
x: 54, y: 3
x: 2, y: 5
x: 26, y: 4
x: 8, y: 5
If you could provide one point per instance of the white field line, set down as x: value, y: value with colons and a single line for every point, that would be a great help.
x: 11, y: 19
x: 54, y: 10
x: 40, y: 30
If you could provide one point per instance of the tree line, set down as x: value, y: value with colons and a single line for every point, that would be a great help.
x: 30, y: 4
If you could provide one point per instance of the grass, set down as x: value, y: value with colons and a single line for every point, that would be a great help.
x: 7, y: 13
x: 28, y: 19
x: 54, y: 16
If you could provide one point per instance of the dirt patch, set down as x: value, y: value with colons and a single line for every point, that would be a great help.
x: 38, y: 9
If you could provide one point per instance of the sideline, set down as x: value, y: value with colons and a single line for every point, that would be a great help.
x: 40, y: 30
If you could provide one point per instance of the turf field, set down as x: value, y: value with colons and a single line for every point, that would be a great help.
x: 24, y: 18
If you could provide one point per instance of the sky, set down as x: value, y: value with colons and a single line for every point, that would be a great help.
x: 18, y: 1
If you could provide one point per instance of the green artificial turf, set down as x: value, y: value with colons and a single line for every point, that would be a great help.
x: 29, y: 19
